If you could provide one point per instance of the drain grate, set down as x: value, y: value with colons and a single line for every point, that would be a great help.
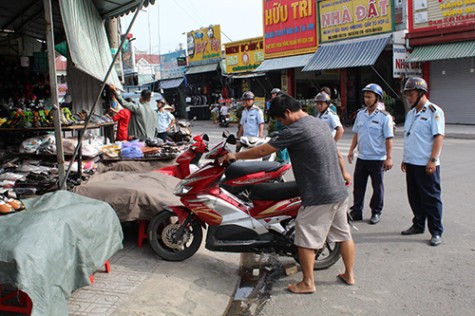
x: 257, y: 274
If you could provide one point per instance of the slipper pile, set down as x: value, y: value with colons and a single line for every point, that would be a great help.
x: 9, y: 205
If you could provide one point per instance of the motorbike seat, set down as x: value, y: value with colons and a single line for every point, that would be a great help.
x: 274, y: 191
x: 241, y: 168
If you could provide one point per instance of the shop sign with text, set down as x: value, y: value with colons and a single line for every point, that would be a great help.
x: 290, y: 27
x: 244, y: 55
x: 441, y: 14
x: 344, y: 19
x: 204, y: 45
x: 402, y: 68
x: 169, y: 67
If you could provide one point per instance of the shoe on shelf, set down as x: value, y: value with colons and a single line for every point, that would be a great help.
x: 412, y: 231
x: 435, y: 240
x: 355, y: 216
x: 375, y: 219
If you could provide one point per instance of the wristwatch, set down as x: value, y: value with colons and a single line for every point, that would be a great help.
x: 433, y: 159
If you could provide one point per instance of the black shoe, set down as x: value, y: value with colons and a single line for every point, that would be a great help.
x: 375, y: 219
x: 412, y: 231
x: 354, y: 216
x: 435, y: 240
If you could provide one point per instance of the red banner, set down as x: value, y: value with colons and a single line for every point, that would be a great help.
x: 290, y: 27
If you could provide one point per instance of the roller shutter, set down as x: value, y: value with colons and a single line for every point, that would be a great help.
x: 454, y: 91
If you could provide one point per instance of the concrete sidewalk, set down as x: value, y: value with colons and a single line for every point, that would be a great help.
x: 140, y: 283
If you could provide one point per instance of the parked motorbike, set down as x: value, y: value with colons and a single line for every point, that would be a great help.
x: 238, y: 178
x: 248, y: 142
x: 224, y: 121
x: 266, y: 224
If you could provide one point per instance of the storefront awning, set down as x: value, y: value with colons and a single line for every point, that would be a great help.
x: 171, y: 83
x: 201, y: 68
x: 284, y: 63
x: 347, y: 54
x: 109, y: 9
x: 443, y: 51
x: 26, y: 17
x: 244, y: 75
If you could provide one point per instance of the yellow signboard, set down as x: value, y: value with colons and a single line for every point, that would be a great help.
x: 245, y: 55
x: 204, y: 45
x: 343, y: 19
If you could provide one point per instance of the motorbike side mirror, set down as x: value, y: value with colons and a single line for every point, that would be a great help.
x: 225, y: 134
x: 205, y: 137
x: 231, y: 139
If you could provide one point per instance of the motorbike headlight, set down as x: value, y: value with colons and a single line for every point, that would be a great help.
x: 181, y: 190
x: 182, y: 187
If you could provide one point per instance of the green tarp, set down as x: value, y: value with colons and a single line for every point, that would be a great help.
x: 51, y: 248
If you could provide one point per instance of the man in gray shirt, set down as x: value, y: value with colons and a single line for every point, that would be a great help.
x: 143, y: 122
x: 314, y: 158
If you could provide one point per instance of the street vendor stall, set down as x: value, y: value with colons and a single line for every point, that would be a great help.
x: 135, y: 196
x: 35, y: 26
x: 54, y: 245
x: 51, y: 248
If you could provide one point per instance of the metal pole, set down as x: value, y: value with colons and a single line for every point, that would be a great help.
x: 54, y: 93
x: 385, y: 82
x: 104, y: 82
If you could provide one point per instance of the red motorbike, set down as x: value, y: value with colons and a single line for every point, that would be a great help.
x: 238, y: 178
x: 265, y: 224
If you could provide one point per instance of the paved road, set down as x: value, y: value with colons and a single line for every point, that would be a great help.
x: 399, y: 275
x: 396, y: 275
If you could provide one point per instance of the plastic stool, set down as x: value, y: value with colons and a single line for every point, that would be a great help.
x: 142, y: 234
x: 107, y: 267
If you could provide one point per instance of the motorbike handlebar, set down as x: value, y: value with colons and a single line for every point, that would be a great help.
x: 227, y: 163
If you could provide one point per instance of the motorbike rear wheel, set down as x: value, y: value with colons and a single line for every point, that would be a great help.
x: 325, y: 257
x: 161, y: 233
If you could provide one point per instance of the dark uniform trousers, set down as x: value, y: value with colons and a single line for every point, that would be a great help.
x: 423, y: 192
x: 373, y: 169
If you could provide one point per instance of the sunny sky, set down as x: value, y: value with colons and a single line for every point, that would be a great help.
x: 159, y: 28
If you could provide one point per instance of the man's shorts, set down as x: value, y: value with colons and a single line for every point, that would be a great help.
x: 317, y: 223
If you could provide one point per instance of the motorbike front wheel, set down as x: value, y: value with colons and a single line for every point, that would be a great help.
x: 325, y: 257
x: 161, y: 235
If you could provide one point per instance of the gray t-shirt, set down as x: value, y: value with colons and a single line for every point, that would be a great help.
x: 314, y: 158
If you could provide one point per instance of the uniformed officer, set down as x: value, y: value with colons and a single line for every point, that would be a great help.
x: 328, y: 91
x: 373, y: 134
x: 274, y: 92
x: 424, y: 130
x: 252, y: 118
x: 328, y: 115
